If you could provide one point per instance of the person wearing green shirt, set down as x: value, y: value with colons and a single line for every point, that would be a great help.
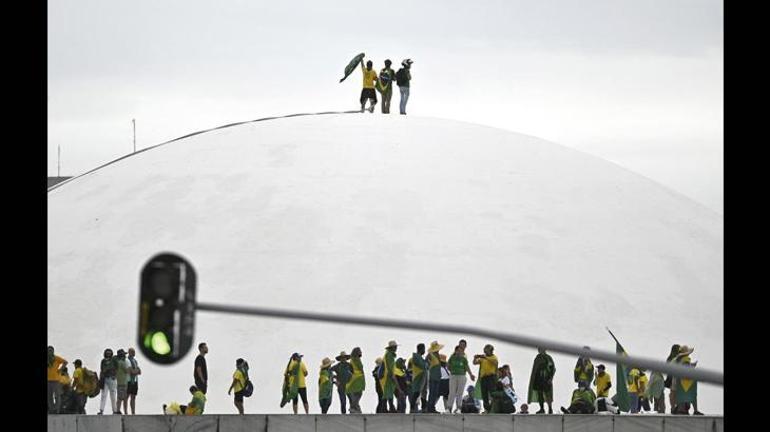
x: 434, y: 375
x: 122, y: 374
x: 458, y: 368
x: 388, y: 380
x: 582, y: 401
x: 357, y: 384
x: 541, y: 381
x: 198, y: 402
x: 325, y: 385
x: 417, y: 367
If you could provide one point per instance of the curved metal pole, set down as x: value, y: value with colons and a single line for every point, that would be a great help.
x: 701, y: 375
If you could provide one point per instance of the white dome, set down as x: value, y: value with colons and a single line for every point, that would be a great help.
x: 390, y: 216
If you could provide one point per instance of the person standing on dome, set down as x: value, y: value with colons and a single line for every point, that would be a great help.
x: 200, y: 371
x: 403, y: 77
x: 603, y: 382
x: 238, y: 384
x: 487, y: 374
x: 388, y: 379
x: 370, y: 79
x: 434, y: 375
x: 325, y: 385
x: 584, y: 370
x: 342, y: 373
x: 417, y: 366
x: 107, y: 382
x: 458, y: 368
x: 357, y: 384
x: 55, y: 363
x: 541, y: 381
x: 385, y: 85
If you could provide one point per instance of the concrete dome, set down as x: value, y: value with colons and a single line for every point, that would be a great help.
x: 391, y: 216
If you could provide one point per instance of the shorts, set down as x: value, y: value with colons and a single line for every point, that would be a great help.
x: 133, y: 388
x: 239, y: 396
x: 302, y: 392
x: 122, y: 392
x: 368, y: 93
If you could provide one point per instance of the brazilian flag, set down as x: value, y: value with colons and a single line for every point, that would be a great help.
x: 477, y: 390
x: 686, y: 390
x: 291, y: 383
x: 352, y: 66
x: 621, y: 388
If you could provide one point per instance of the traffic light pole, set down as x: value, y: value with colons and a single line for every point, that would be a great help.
x: 701, y: 375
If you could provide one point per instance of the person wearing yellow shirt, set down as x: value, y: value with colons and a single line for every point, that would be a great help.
x: 487, y: 374
x: 633, y: 389
x: 54, y: 384
x: 239, y: 383
x: 641, y: 390
x: 77, y: 386
x: 368, y: 93
x: 297, y: 366
x: 198, y: 403
x: 603, y: 382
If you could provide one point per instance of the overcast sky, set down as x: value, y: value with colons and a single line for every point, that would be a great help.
x: 637, y: 82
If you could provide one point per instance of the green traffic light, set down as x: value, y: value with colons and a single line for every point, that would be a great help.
x: 160, y: 343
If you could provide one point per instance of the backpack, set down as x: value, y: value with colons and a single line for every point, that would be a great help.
x: 91, y: 381
x: 248, y: 389
x: 379, y: 371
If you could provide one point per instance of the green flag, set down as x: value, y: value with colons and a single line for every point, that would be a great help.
x: 621, y: 387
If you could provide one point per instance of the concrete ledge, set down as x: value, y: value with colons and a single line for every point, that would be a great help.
x: 385, y: 423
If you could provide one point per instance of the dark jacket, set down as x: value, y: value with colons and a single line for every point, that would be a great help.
x: 403, y: 76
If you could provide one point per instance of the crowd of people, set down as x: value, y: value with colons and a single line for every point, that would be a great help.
x: 417, y: 382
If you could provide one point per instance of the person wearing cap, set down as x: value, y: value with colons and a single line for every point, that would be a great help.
x: 357, y: 384
x: 78, y: 385
x: 644, y: 402
x: 403, y: 77
x: 55, y: 363
x: 385, y: 85
x: 582, y: 402
x: 388, y: 379
x: 686, y: 389
x: 470, y: 404
x: 107, y: 382
x: 433, y: 359
x: 417, y: 366
x: 584, y: 370
x: 487, y: 374
x: 368, y: 93
x: 541, y: 381
x: 602, y: 381
x: 298, y: 371
x: 121, y: 378
x: 402, y: 386
x: 325, y: 385
x: 342, y: 373
x: 458, y: 368
x: 238, y: 384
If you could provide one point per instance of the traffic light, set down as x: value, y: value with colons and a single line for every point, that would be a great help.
x: 166, y: 308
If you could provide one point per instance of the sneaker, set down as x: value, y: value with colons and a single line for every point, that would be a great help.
x: 550, y: 410
x: 100, y: 413
x: 542, y: 411
x: 697, y: 413
x: 564, y: 410
x: 371, y: 109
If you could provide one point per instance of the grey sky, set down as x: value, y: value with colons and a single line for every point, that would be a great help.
x: 636, y: 82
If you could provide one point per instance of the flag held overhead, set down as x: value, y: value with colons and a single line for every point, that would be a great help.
x: 352, y: 65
